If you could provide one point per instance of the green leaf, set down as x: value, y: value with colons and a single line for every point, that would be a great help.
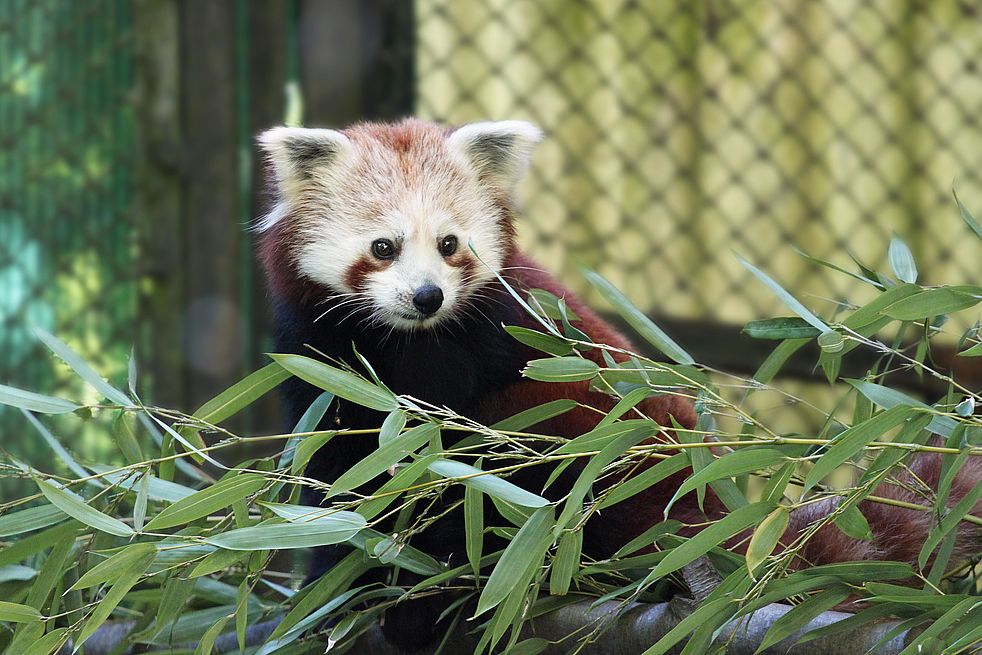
x: 932, y: 302
x: 218, y: 496
x: 854, y: 524
x: 392, y: 426
x: 902, y: 260
x: 49, y: 643
x: 801, y: 614
x: 886, y: 398
x: 56, y: 446
x: 547, y: 343
x: 729, y: 465
x: 852, y: 441
x: 404, y: 477
x: 949, y: 523
x: 112, y: 599
x: 385, y: 457
x: 645, y: 479
x: 535, y: 415
x: 77, y: 508
x: 791, y: 327
x: 766, y: 537
x: 321, y: 591
x: 474, y: 528
x: 936, y: 629
x: 778, y: 357
x: 974, y: 351
x: 734, y: 522
x: 17, y: 613
x: 35, y: 402
x: 157, y: 489
x: 785, y: 297
x: 967, y: 215
x: 306, y: 447
x: 30, y: 519
x: 325, y: 530
x: 705, y: 612
x: 550, y: 304
x: 207, y: 643
x: 84, y: 371
x: 566, y: 563
x: 406, y: 557
x: 637, y: 320
x: 561, y: 369
x: 831, y: 342
x: 341, y: 383
x: 124, y: 561
x: 528, y: 546
x: 490, y: 484
x: 242, y: 394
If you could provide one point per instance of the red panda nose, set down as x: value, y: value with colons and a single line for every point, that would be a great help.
x: 428, y: 298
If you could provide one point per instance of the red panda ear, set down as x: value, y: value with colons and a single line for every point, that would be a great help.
x: 499, y: 151
x: 295, y: 153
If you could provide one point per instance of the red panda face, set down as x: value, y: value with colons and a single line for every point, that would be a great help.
x: 384, y: 217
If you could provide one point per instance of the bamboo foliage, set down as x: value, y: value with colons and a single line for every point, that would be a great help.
x: 179, y: 542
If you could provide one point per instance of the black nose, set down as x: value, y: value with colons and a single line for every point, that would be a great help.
x: 428, y: 298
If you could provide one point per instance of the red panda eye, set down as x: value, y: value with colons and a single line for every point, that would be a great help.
x: 383, y: 249
x: 448, y: 245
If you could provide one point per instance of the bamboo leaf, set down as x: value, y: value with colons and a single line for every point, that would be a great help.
x: 886, y: 398
x: 949, y: 523
x: 801, y: 614
x: 566, y: 563
x: 974, y: 351
x: 474, y: 528
x: 207, y: 643
x: 110, y: 569
x: 17, y: 613
x: 931, y: 302
x: 334, y: 529
x: 701, y: 615
x: 392, y: 426
x: 385, y: 457
x: 242, y: 394
x: 785, y: 297
x: 729, y: 466
x: 766, y: 537
x: 84, y: 371
x: 561, y: 369
x: 714, y: 535
x: 535, y: 415
x: 404, y: 477
x: 637, y: 320
x: 341, y: 383
x: 56, y: 446
x: 854, y: 524
x: 902, y: 260
x: 218, y: 496
x: 853, y: 440
x: 490, y: 484
x: 967, y: 215
x: 547, y: 343
x: 33, y: 518
x: 791, y: 327
x: 112, y: 599
x: 77, y: 508
x: 157, y: 489
x: 35, y: 402
x: 528, y: 546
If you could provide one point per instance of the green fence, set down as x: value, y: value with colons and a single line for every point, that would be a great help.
x: 68, y: 237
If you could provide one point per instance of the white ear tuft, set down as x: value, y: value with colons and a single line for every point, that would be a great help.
x: 296, y: 152
x: 499, y: 151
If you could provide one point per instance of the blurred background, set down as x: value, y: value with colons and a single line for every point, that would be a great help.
x: 678, y: 134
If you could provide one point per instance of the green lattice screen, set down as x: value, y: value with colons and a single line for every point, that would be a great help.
x: 68, y: 234
x: 679, y: 132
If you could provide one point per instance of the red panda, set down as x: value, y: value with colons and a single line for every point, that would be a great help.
x: 366, y: 244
